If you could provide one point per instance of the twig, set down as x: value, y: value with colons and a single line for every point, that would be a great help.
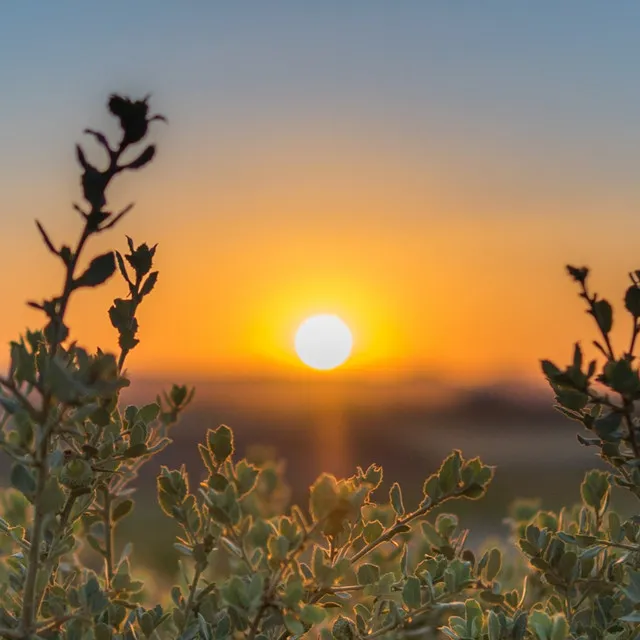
x: 391, y: 531
x: 30, y: 599
x: 108, y: 535
x: 192, y: 595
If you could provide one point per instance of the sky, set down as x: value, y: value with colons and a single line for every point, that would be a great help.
x: 422, y: 169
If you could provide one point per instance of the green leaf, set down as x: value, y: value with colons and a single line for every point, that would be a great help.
x: 572, y: 399
x: 138, y: 434
x: 622, y: 377
x: 312, y: 614
x: 567, y: 564
x: 550, y: 370
x: 474, y: 615
x: 595, y: 489
x: 432, y: 489
x: 94, y: 544
x: 577, y: 357
x: 246, y: 475
x: 609, y: 426
x: 603, y: 313
x: 149, y: 284
x: 149, y: 412
x: 99, y: 270
x: 633, y: 590
x: 615, y: 527
x: 446, y: 524
x: 135, y: 451
x: 220, y: 443
x: 493, y: 625
x: 494, y: 564
x: 93, y: 596
x: 146, y: 624
x: 368, y: 574
x: 449, y: 474
x: 411, y: 593
x: 122, y: 509
x: 560, y: 628
x: 372, y: 531
x: 395, y: 497
x: 541, y: 623
x: 144, y: 158
x: 293, y: 625
x: 22, y: 479
x: 519, y: 626
x: 53, y: 497
x: 632, y: 301
x: 324, y: 495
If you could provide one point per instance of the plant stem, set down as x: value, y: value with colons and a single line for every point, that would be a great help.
x: 425, y: 608
x: 391, y: 531
x: 108, y: 535
x: 192, y: 595
x: 30, y: 599
x: 273, y: 584
x: 30, y: 603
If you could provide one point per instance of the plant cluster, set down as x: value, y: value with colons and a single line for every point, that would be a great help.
x: 354, y: 564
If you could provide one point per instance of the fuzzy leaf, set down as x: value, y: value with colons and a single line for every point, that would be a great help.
x: 395, y: 497
x: 220, y: 443
x: 368, y: 574
x: 411, y: 592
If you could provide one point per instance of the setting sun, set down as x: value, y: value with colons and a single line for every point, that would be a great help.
x: 323, y: 342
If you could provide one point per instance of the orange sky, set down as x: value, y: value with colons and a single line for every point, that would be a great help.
x: 429, y: 198
x: 465, y: 290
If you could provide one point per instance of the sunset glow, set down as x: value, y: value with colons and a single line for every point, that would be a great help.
x: 432, y: 203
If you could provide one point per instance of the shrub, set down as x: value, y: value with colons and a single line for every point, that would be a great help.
x: 355, y: 564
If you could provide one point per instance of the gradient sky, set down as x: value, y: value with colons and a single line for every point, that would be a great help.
x: 423, y: 169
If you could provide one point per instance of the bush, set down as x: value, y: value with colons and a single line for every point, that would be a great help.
x: 355, y: 564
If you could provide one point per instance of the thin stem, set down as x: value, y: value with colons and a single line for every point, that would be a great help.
x: 425, y: 608
x: 619, y: 545
x: 29, y: 600
x: 192, y: 595
x: 108, y: 535
x: 240, y: 544
x: 391, y: 531
x: 273, y: 584
x: 633, y: 441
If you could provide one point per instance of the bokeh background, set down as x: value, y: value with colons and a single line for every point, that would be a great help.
x: 424, y: 170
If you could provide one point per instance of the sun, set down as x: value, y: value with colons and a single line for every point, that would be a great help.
x: 323, y: 342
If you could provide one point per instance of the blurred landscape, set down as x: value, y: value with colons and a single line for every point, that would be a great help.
x: 333, y: 424
x: 407, y: 427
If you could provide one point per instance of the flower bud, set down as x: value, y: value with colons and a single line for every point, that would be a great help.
x: 76, y: 474
x: 343, y: 629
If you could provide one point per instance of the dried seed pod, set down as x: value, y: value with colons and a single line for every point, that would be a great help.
x: 77, y: 474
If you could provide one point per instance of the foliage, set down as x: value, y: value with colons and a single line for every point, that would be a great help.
x: 355, y: 564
